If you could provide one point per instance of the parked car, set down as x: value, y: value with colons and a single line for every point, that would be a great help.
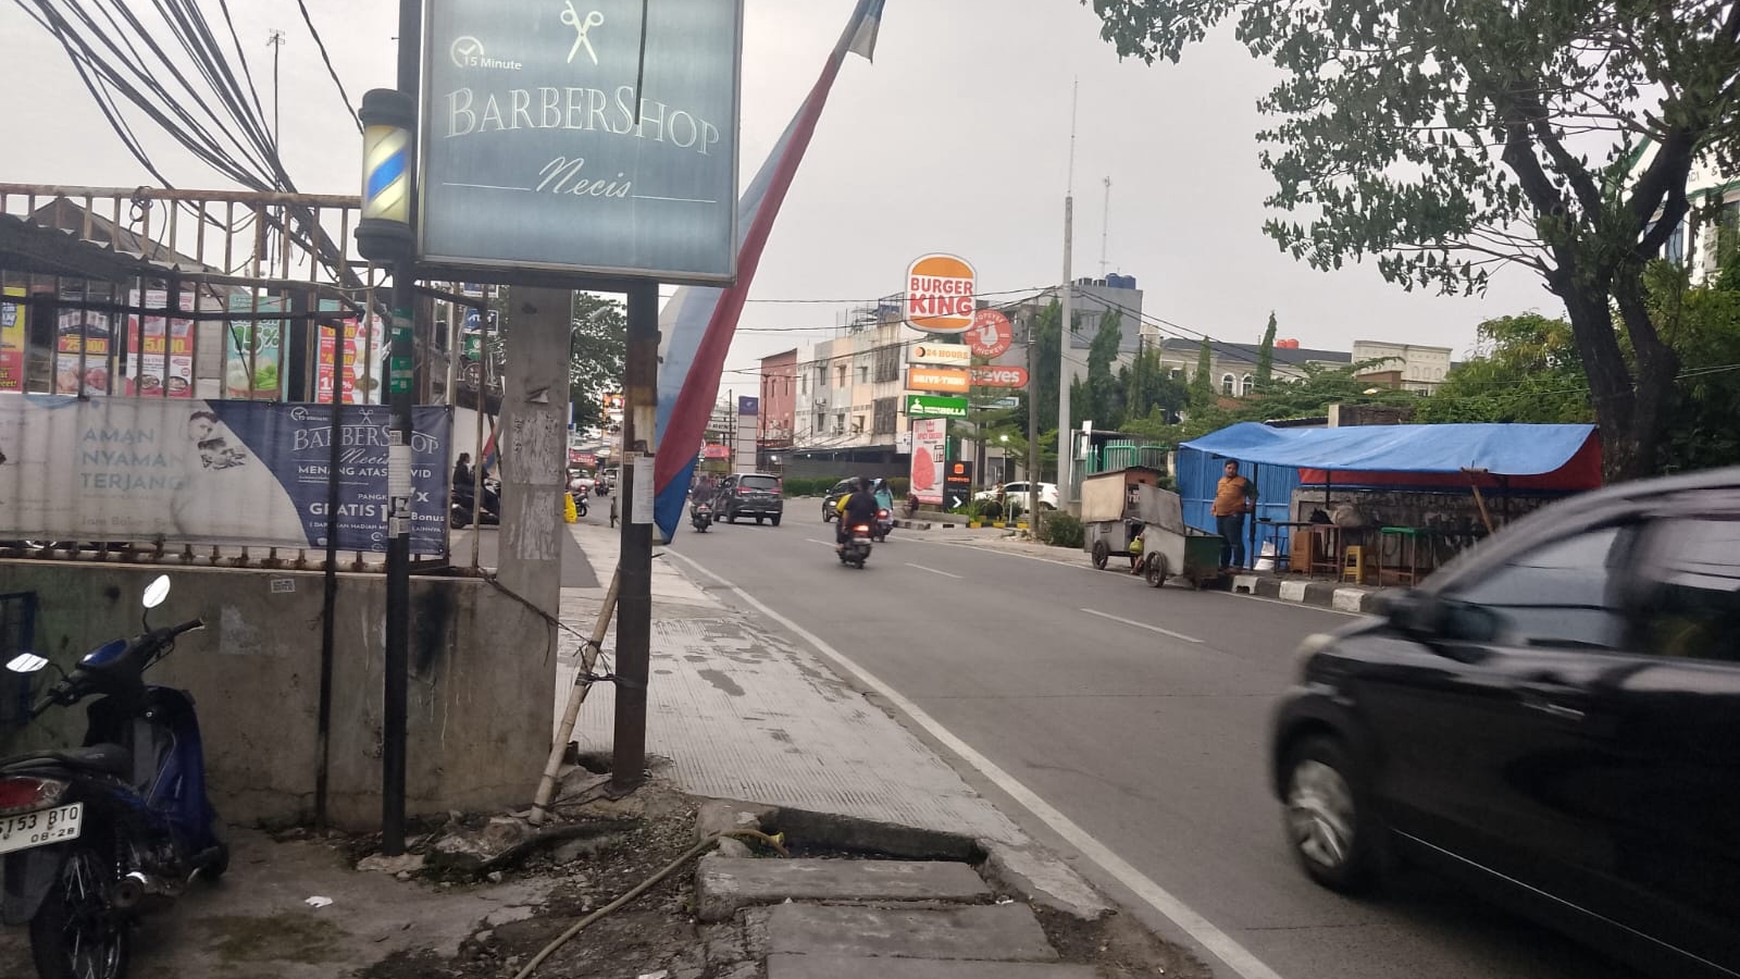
x: 1047, y: 494
x: 750, y: 495
x: 1554, y: 718
x: 841, y: 490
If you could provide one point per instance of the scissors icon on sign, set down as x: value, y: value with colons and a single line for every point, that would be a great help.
x: 572, y: 18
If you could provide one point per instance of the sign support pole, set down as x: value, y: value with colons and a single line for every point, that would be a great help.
x: 1032, y: 429
x: 634, y: 605
x: 396, y: 696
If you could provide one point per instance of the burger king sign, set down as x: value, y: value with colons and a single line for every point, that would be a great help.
x: 941, y: 294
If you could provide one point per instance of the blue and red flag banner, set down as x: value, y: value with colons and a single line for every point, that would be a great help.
x: 698, y: 323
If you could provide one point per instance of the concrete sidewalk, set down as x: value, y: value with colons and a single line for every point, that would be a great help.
x: 741, y: 713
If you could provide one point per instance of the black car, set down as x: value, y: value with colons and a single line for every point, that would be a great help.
x: 1555, y: 718
x: 841, y: 490
x: 749, y: 495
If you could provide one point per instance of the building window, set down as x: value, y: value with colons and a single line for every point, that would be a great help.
x: 821, y: 376
x: 1675, y: 249
x: 819, y: 425
x: 840, y: 422
x: 887, y: 413
x: 888, y: 362
x: 863, y: 374
x: 857, y: 424
x: 1177, y: 373
x: 840, y: 372
x: 1226, y: 384
x: 1246, y: 384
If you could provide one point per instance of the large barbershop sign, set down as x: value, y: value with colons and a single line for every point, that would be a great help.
x: 549, y: 145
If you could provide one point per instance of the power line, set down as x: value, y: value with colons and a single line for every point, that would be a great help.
x: 330, y: 70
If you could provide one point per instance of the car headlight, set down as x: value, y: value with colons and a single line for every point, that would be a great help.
x: 1313, y: 644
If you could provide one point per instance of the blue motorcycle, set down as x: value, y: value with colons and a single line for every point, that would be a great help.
x: 95, y: 836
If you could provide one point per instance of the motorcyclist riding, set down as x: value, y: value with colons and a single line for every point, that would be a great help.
x: 856, y: 509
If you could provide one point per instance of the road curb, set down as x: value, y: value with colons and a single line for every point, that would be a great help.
x: 1322, y: 594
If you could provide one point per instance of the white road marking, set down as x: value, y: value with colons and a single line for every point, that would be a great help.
x: 1142, y: 625
x: 945, y: 574
x: 824, y: 543
x: 1238, y: 958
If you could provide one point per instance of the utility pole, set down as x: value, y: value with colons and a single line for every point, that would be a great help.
x: 396, y: 696
x: 1105, y: 227
x: 1067, y: 302
x: 276, y: 41
x: 634, y: 606
x: 1032, y: 426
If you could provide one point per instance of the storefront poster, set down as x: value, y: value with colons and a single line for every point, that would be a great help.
x: 363, y: 350
x: 252, y: 350
x: 159, y: 349
x: 929, y: 454
x: 218, y: 472
x: 83, y: 345
x: 14, y: 320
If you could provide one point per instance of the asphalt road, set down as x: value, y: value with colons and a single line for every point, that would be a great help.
x: 1140, y: 715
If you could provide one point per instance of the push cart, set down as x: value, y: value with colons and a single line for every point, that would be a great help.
x: 1112, y: 501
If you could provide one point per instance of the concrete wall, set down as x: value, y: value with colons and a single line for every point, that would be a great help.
x: 483, y: 670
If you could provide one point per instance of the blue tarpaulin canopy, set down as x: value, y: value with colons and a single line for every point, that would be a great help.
x: 1502, y: 450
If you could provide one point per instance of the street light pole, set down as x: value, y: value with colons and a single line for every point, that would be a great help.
x: 396, y: 696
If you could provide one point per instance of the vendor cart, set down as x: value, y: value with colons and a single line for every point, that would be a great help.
x: 1112, y: 501
x: 1184, y: 553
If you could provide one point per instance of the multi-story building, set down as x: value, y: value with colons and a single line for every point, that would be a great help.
x: 1233, y: 366
x: 1407, y: 366
x: 778, y: 419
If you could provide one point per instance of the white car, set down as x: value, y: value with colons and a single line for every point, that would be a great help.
x: 1047, y: 494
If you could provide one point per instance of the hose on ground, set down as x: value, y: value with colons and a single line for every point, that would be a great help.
x: 777, y: 843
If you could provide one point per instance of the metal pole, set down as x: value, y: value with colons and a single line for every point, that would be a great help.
x: 1065, y: 443
x: 634, y: 607
x: 396, y: 696
x: 329, y: 602
x: 1032, y: 431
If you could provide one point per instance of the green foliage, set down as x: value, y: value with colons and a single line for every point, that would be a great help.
x: 1148, y: 387
x: 1308, y: 397
x: 1266, y: 354
x: 1061, y: 529
x: 1447, y: 139
x: 1202, y: 396
x: 1102, y: 398
x: 1702, y: 325
x: 1047, y: 340
x: 1526, y: 370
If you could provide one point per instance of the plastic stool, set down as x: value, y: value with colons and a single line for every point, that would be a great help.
x: 1353, y: 565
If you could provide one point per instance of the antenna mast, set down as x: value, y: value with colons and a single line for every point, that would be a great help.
x: 1105, y: 226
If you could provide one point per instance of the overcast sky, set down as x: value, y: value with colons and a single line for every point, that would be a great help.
x: 956, y: 139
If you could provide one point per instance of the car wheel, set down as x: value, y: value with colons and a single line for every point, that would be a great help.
x: 774, y: 519
x: 827, y: 514
x: 1328, y: 817
x: 760, y: 520
x: 1102, y: 553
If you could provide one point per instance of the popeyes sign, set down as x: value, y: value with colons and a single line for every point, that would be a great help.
x: 941, y: 294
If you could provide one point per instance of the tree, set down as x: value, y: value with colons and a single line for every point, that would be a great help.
x: 597, y: 348
x: 1202, y: 389
x: 1103, y: 397
x: 1048, y: 340
x: 1147, y: 387
x: 1266, y: 354
x: 1526, y: 370
x: 1449, y: 139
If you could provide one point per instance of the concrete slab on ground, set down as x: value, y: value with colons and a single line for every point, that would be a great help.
x: 995, y: 933
x: 837, y: 967
x: 724, y: 885
x: 742, y: 713
x: 1359, y: 599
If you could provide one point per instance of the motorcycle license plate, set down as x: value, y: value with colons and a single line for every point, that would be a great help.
x: 40, y: 828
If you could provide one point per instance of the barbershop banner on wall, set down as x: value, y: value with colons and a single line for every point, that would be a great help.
x: 218, y: 472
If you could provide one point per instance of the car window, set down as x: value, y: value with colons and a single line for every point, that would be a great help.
x: 1560, y: 594
x: 843, y: 486
x: 768, y: 483
x: 1688, y: 592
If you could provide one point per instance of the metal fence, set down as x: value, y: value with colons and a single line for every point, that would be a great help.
x: 210, y: 295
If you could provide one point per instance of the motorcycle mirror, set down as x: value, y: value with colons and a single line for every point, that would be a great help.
x: 26, y: 663
x: 156, y: 592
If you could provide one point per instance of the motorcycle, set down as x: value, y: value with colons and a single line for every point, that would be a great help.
x: 884, y: 525
x: 98, y: 835
x: 488, y: 515
x: 857, y: 547
x: 701, y: 515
